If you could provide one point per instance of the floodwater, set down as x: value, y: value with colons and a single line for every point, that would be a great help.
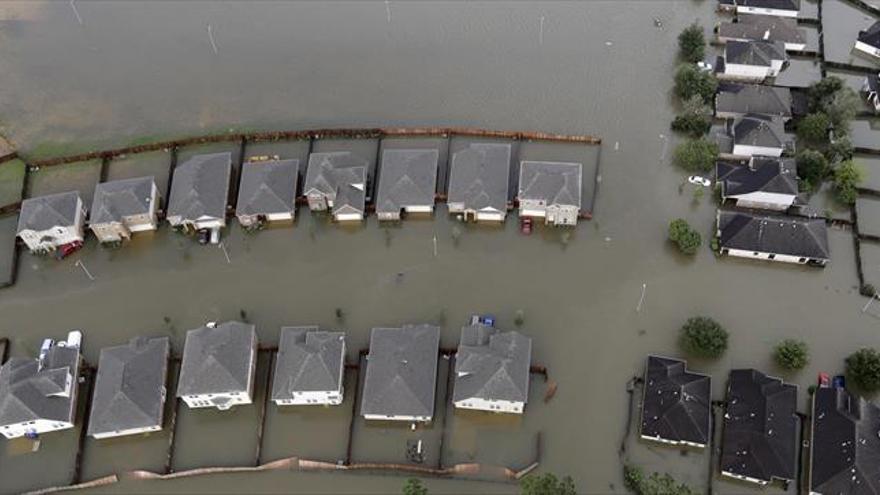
x: 133, y: 69
x: 842, y: 23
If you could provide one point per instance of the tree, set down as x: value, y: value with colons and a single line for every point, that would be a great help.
x: 546, y: 484
x: 814, y: 128
x: 840, y: 149
x: 821, y: 92
x: 686, y: 238
x: 791, y: 354
x: 691, y: 81
x: 634, y: 480
x: 834, y: 98
x: 812, y: 168
x: 695, y: 118
x: 696, y: 155
x: 702, y: 336
x: 863, y: 368
x: 414, y: 486
x: 847, y: 177
x: 692, y: 43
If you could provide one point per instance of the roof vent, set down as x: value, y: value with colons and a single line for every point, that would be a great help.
x: 766, y: 35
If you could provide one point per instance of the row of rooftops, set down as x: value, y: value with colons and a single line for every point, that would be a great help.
x: 408, y: 179
x: 761, y: 427
x: 218, y: 362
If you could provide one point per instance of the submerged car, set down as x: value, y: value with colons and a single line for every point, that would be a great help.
x: 700, y: 181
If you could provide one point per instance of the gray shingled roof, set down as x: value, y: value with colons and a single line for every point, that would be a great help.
x: 778, y: 234
x: 760, y: 53
x: 557, y: 183
x: 408, y: 178
x: 763, y: 28
x: 753, y: 98
x: 845, y: 444
x: 766, y: 4
x: 760, y: 427
x: 677, y: 402
x: 759, y: 130
x: 479, y: 176
x: 129, y: 388
x: 352, y: 190
x: 492, y: 365
x: 401, y: 371
x: 764, y: 174
x: 118, y: 199
x: 46, y: 212
x: 267, y: 187
x: 308, y: 361
x: 871, y: 36
x: 328, y: 171
x: 26, y: 390
x: 217, y: 360
x: 200, y: 187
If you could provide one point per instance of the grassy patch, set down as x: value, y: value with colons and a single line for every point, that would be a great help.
x: 52, y: 149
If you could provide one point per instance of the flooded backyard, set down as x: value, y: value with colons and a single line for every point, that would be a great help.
x: 137, y: 69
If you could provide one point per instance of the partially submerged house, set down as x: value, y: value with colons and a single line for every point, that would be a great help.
x: 492, y: 370
x: 676, y: 405
x: 337, y: 181
x: 773, y: 237
x: 267, y: 192
x: 199, y: 192
x: 757, y: 135
x: 121, y: 207
x: 401, y: 376
x: 764, y: 28
x: 309, y: 369
x: 550, y: 190
x: 39, y: 395
x: 845, y: 446
x: 752, y: 60
x: 130, y: 390
x: 781, y: 8
x: 761, y: 182
x: 738, y: 100
x: 407, y: 182
x: 868, y: 41
x: 478, y: 182
x: 871, y: 91
x: 218, y: 365
x: 761, y: 428
x: 46, y: 223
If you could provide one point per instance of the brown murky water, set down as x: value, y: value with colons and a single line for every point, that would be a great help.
x: 599, y: 68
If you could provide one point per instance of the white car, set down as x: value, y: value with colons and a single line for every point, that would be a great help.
x: 704, y: 66
x: 700, y: 181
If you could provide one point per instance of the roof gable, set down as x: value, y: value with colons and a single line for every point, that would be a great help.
x: 479, y: 176
x: 200, y: 187
x: 268, y: 187
x: 556, y: 183
x: 47, y: 212
x: 115, y: 200
x: 676, y: 404
x: 492, y: 365
x: 775, y: 234
x: 217, y: 360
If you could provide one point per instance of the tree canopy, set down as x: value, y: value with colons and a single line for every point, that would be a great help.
x: 863, y: 369
x: 692, y: 43
x: 836, y: 100
x: 635, y: 481
x: 791, y: 354
x: 690, y: 81
x: 702, y: 336
x: 847, y: 177
x: 696, y: 155
x: 695, y: 118
x: 414, y: 486
x: 684, y: 236
x: 547, y: 484
x: 812, y: 168
x: 814, y: 128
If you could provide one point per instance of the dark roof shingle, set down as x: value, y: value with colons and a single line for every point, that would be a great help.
x: 677, y: 403
x: 492, y: 365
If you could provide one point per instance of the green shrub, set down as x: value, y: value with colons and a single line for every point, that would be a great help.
x: 691, y: 81
x: 635, y: 481
x: 684, y: 236
x: 546, y: 484
x: 696, y: 155
x: 863, y: 369
x: 692, y: 43
x: 703, y: 337
x: 791, y: 354
x: 847, y: 177
x: 835, y: 99
x: 695, y: 118
x: 414, y: 486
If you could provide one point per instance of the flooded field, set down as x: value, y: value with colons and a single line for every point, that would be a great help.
x: 601, y: 68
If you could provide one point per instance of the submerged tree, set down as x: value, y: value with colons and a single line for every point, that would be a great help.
x: 684, y: 236
x: 695, y: 118
x: 702, y: 336
x: 791, y: 354
x: 414, y: 486
x: 691, y: 81
x: 696, y: 155
x: 692, y: 43
x: 814, y: 128
x: 835, y: 99
x: 519, y: 318
x: 847, y: 177
x: 863, y: 368
x: 812, y: 168
x: 635, y: 481
x: 547, y: 484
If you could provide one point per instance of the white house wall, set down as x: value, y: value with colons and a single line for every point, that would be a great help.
x: 742, y: 9
x: 784, y: 258
x: 746, y: 72
x: 40, y: 426
x: 764, y: 200
x: 746, y: 150
x: 500, y: 406
x: 382, y: 417
x: 867, y: 49
x: 123, y: 433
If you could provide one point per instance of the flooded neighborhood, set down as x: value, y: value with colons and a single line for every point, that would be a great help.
x: 352, y: 247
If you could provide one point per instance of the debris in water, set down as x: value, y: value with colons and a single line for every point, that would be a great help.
x: 657, y: 22
x: 616, y: 145
x: 551, y: 391
x: 607, y: 239
x: 608, y: 43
